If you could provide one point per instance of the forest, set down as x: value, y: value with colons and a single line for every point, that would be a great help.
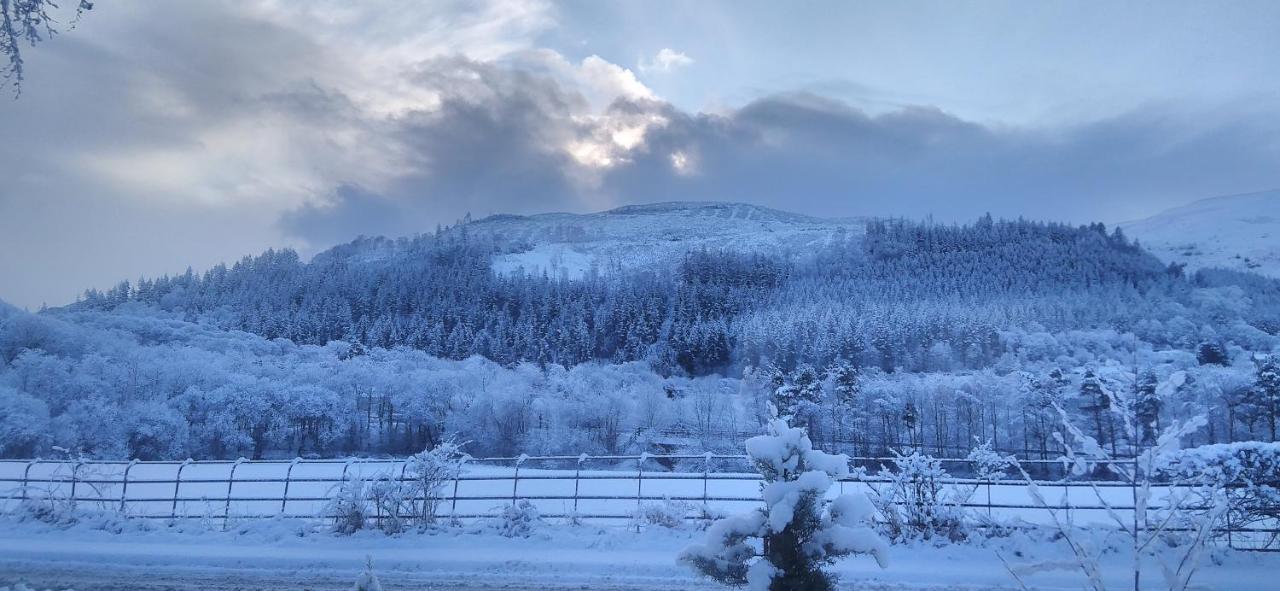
x: 910, y: 336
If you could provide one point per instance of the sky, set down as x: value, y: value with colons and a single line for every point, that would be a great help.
x: 155, y: 136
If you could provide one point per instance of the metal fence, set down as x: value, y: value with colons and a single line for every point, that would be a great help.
x: 602, y: 489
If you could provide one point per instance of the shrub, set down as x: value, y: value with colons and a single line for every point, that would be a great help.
x: 429, y: 471
x: 349, y: 507
x: 916, y: 504
x: 518, y: 520
x: 1248, y: 473
x: 666, y: 513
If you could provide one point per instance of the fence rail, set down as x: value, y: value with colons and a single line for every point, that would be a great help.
x: 604, y: 489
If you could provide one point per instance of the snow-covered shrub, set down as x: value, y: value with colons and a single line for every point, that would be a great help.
x: 50, y: 509
x: 367, y: 581
x: 666, y: 513
x: 989, y: 464
x: 798, y: 530
x: 429, y: 471
x: 519, y: 520
x: 401, y: 502
x: 915, y: 502
x: 390, y: 499
x: 349, y: 506
x: 52, y: 501
x: 1247, y: 473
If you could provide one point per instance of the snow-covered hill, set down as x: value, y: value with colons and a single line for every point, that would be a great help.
x: 655, y: 234
x: 1240, y: 232
x: 7, y: 310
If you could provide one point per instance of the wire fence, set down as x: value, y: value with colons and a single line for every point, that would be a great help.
x: 609, y: 490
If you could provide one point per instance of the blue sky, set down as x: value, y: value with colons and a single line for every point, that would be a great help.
x: 160, y: 135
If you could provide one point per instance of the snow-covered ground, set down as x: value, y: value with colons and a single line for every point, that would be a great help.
x: 1240, y: 232
x: 286, y: 554
x: 647, y: 235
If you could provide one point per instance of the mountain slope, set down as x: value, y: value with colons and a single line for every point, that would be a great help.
x: 644, y: 235
x: 1240, y: 232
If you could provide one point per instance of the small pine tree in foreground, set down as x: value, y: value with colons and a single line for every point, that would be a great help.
x: 799, y: 530
x: 367, y: 581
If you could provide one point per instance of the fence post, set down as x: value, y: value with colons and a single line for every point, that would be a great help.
x: 26, y: 476
x: 1230, y: 540
x: 515, y: 480
x: 404, y: 467
x: 706, y: 470
x: 453, y: 507
x: 231, y: 480
x: 284, y: 499
x: 639, y: 483
x: 75, y: 473
x: 1066, y: 499
x: 177, y: 482
x: 342, y: 480
x: 124, y: 485
x: 988, y: 498
x: 577, y: 473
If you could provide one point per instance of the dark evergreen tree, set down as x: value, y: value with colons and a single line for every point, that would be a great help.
x: 1212, y: 353
x: 1266, y: 390
x: 1146, y: 407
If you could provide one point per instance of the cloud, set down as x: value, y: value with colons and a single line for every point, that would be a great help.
x: 823, y: 157
x: 666, y: 60
x: 507, y: 140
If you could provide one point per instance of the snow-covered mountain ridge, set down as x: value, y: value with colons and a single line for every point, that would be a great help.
x: 653, y: 234
x: 1240, y: 232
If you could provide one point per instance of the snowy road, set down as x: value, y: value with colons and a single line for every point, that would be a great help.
x: 276, y: 557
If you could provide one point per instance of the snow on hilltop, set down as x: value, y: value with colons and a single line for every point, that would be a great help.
x: 1240, y: 232
x: 641, y: 235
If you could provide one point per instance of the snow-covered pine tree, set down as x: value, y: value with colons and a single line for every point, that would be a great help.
x: 1266, y: 390
x: 799, y: 531
x: 367, y: 581
x: 845, y: 381
x: 1146, y: 407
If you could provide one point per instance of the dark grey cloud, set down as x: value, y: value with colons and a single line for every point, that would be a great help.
x: 822, y: 157
x: 494, y: 143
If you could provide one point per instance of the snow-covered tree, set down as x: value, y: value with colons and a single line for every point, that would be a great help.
x: 1266, y: 390
x: 1146, y: 408
x: 367, y: 581
x: 798, y: 401
x: 798, y: 530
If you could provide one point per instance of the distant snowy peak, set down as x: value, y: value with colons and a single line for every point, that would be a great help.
x: 1240, y: 232
x: 648, y: 235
